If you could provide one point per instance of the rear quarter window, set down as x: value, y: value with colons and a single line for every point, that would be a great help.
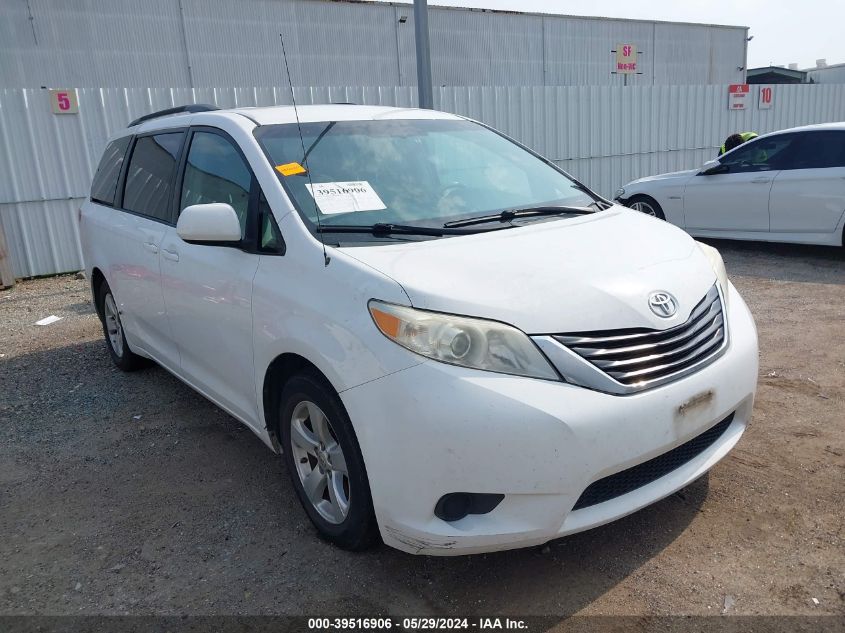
x: 819, y: 150
x: 104, y: 186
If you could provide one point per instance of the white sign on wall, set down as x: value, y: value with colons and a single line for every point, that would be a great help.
x: 626, y: 59
x: 738, y: 96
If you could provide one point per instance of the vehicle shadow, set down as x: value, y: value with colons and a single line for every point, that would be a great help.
x: 558, y: 580
x: 169, y: 505
x: 783, y: 262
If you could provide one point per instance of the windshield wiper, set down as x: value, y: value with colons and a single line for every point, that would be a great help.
x: 384, y: 228
x: 511, y: 214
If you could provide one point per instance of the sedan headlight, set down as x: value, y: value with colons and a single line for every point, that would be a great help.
x: 619, y: 193
x: 718, y: 265
x: 464, y: 341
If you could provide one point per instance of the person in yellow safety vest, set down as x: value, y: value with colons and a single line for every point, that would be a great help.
x: 735, y: 140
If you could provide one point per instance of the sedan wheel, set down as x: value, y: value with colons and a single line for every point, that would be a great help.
x: 644, y: 207
x: 320, y: 462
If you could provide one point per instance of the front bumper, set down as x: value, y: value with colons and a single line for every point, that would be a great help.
x: 433, y: 429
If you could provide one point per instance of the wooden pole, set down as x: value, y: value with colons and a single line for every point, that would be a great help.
x: 7, y: 277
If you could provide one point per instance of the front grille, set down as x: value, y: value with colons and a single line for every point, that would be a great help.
x: 641, y: 357
x: 638, y: 476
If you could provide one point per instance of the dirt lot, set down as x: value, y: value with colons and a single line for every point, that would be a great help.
x: 129, y: 493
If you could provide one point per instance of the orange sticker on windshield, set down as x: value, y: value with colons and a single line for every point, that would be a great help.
x: 290, y: 169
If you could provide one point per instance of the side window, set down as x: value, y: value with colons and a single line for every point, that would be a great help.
x: 215, y: 172
x: 105, y: 180
x: 763, y: 154
x: 150, y: 174
x: 269, y: 237
x: 818, y: 150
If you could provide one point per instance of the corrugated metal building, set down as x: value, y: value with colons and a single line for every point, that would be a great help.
x: 833, y: 74
x: 202, y: 43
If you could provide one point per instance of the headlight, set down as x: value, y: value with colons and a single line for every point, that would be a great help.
x: 464, y: 341
x: 619, y: 192
x: 718, y: 265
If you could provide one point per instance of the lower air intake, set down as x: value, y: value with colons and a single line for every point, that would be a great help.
x: 642, y: 474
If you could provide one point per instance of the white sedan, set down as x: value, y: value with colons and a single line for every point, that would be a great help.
x: 788, y: 186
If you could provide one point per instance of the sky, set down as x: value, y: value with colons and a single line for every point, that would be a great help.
x: 784, y: 31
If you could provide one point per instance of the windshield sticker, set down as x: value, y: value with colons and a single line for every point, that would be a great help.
x: 345, y: 197
x: 290, y: 169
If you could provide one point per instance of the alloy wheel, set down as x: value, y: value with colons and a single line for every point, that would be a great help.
x: 644, y: 207
x: 113, y: 325
x: 320, y: 462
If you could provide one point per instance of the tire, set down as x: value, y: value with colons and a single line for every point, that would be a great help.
x: 646, y: 205
x: 338, y: 503
x: 113, y: 332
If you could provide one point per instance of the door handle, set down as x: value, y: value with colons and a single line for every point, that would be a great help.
x: 761, y: 181
x: 151, y: 247
x: 171, y: 255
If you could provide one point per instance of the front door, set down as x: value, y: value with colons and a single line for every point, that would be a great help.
x: 736, y: 198
x: 208, y: 288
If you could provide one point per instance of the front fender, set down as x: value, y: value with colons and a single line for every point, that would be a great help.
x: 318, y: 312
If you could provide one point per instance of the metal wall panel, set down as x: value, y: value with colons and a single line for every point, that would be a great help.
x: 698, y: 54
x: 42, y: 237
x: 471, y: 48
x: 327, y: 43
x: 189, y: 43
x: 72, y: 43
x: 604, y: 135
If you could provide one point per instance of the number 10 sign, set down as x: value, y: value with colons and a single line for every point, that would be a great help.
x: 64, y: 101
x: 766, y: 98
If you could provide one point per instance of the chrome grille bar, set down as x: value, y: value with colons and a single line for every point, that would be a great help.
x: 640, y: 357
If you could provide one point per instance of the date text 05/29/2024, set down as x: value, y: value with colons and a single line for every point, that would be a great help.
x: 416, y: 624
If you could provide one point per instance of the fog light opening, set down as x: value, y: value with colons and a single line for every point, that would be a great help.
x: 457, y: 505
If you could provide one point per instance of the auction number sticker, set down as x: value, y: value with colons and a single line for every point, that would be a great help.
x: 345, y: 197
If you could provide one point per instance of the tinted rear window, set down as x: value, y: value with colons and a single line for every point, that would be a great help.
x: 819, y: 150
x: 149, y: 177
x: 105, y: 180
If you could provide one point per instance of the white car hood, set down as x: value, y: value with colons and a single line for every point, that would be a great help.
x: 579, y: 274
x: 673, y: 175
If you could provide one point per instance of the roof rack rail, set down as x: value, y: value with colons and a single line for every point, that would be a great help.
x: 192, y: 107
x: 343, y: 103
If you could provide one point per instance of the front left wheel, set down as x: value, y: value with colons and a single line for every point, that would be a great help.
x: 324, y: 461
x: 646, y: 205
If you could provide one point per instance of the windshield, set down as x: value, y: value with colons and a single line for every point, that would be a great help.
x: 419, y: 172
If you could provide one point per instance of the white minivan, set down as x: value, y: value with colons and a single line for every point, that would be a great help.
x: 454, y: 345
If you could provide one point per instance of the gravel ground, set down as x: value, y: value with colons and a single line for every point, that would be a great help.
x: 129, y: 493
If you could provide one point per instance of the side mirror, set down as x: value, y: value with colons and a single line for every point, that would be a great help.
x: 216, y: 223
x: 712, y: 167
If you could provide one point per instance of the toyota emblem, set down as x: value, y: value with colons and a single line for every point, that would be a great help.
x: 662, y: 304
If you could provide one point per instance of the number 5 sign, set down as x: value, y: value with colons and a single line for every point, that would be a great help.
x: 64, y: 101
x: 766, y: 98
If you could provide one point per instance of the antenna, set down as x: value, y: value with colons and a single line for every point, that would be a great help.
x: 326, y: 257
